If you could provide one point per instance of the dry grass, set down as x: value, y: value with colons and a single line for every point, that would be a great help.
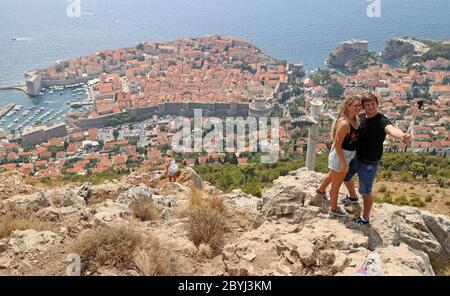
x: 145, y: 211
x: 8, y: 225
x: 151, y: 259
x: 111, y: 246
x: 123, y: 248
x: 206, y: 226
x: 216, y: 203
x: 205, y: 250
x: 198, y: 198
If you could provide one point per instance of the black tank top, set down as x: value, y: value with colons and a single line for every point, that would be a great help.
x: 350, y: 142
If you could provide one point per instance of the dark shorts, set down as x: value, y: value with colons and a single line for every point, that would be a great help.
x: 366, y: 173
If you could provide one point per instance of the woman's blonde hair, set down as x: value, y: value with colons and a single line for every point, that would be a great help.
x: 169, y: 153
x: 343, y: 113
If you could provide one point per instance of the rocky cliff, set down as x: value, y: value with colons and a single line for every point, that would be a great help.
x: 397, y: 49
x: 352, y: 55
x: 282, y: 233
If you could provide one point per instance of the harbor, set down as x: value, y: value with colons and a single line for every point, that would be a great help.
x: 5, y: 109
x: 19, y: 111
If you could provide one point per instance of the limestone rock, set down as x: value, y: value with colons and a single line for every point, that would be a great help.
x: 24, y: 205
x: 31, y: 240
x: 167, y: 205
x: 175, y: 189
x: 135, y: 194
x: 64, y: 198
x: 110, y: 213
x: 85, y: 191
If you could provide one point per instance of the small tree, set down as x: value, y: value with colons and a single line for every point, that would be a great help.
x: 116, y: 134
x: 336, y: 90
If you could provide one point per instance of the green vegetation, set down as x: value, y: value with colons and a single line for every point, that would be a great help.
x: 97, y: 178
x: 121, y: 119
x: 418, y: 164
x: 336, y: 90
x: 364, y: 59
x: 437, y: 50
x: 251, y: 178
x: 140, y: 46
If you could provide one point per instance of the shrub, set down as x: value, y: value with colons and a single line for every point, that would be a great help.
x: 205, y: 250
x: 404, y: 177
x: 382, y: 189
x: 429, y: 198
x: 387, y: 194
x: 377, y: 200
x: 447, y: 203
x: 8, y: 225
x: 417, y: 202
x: 206, y: 226
x: 145, y: 210
x: 253, y: 189
x: 151, y: 258
x: 401, y: 201
x: 216, y: 203
x: 388, y: 200
x: 110, y: 246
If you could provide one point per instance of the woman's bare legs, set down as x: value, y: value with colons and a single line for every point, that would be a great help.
x: 325, y: 183
x: 336, y: 181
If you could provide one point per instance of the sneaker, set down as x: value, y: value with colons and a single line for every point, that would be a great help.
x: 325, y: 207
x: 325, y: 201
x: 361, y: 221
x: 349, y: 200
x: 322, y: 195
x: 338, y: 212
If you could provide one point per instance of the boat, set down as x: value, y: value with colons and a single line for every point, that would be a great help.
x: 47, y: 102
x: 50, y: 92
x: 13, y: 39
x: 16, y: 120
x: 76, y: 104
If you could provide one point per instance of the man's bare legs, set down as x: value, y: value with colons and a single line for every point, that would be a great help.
x: 351, y: 188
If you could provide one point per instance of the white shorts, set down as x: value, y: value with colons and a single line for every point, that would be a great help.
x: 333, y: 159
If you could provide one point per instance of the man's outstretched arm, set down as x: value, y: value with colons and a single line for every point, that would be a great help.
x: 397, y: 133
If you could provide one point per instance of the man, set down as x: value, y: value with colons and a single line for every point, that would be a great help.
x: 374, y: 127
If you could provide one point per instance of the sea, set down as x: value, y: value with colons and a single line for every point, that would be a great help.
x: 301, y: 31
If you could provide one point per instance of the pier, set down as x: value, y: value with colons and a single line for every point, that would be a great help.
x: 16, y: 87
x: 5, y: 109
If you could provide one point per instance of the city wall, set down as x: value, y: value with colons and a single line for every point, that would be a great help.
x: 165, y: 109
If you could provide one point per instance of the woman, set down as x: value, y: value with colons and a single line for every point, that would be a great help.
x: 171, y: 167
x: 345, y: 139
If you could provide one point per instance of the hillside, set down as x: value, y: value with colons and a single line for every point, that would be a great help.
x: 143, y: 225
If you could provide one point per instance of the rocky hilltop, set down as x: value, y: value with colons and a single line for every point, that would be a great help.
x: 351, y: 55
x: 144, y: 225
x: 403, y: 48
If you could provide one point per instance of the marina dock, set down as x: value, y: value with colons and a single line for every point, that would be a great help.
x: 5, y: 109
